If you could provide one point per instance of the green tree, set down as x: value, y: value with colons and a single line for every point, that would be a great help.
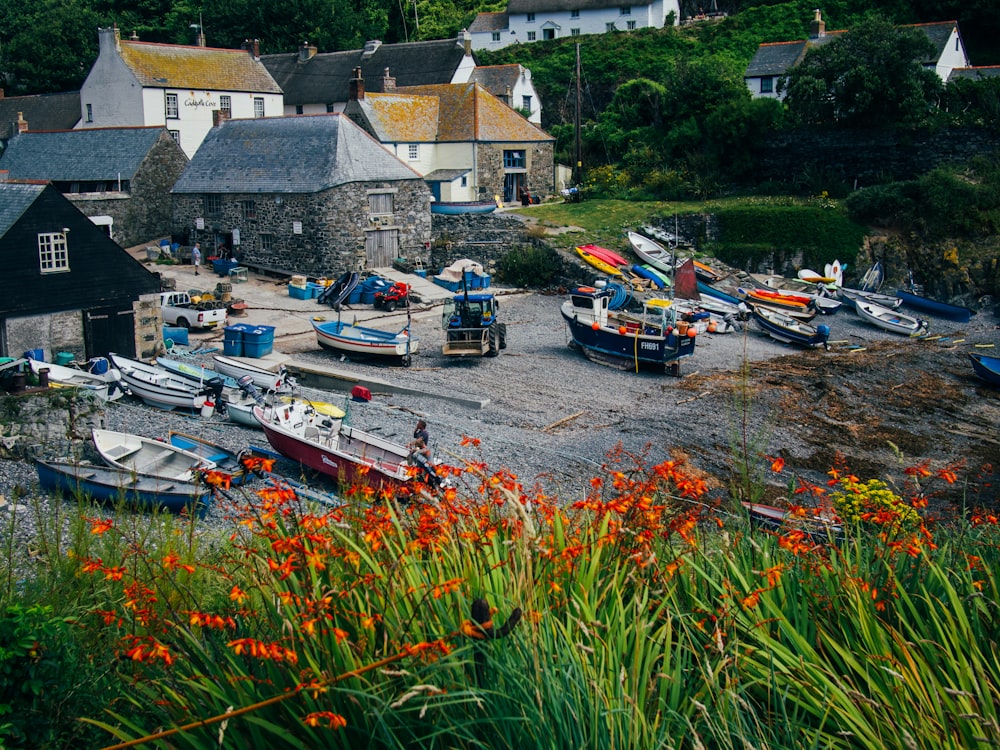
x: 871, y: 76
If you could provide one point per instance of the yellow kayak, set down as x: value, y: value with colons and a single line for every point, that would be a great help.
x: 597, y: 263
x: 320, y: 407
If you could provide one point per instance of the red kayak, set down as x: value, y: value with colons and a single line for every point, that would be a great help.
x: 608, y: 256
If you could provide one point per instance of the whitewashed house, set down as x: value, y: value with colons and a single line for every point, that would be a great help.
x: 512, y: 85
x: 527, y: 21
x: 775, y: 59
x: 135, y: 83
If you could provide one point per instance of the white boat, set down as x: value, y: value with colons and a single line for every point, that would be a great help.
x: 159, y: 388
x: 789, y: 330
x: 652, y: 252
x: 144, y: 455
x: 883, y: 300
x: 240, y: 411
x: 107, y: 387
x: 264, y: 379
x: 822, y: 300
x: 369, y: 342
x: 890, y: 320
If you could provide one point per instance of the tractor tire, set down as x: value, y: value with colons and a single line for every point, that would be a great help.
x: 390, y: 306
x: 503, y: 335
x: 494, y: 336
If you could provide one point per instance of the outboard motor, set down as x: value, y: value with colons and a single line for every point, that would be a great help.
x: 250, y: 390
x: 213, y: 388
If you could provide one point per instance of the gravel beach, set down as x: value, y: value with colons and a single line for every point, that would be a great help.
x: 551, y: 417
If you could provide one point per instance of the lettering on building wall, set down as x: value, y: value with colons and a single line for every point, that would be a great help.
x: 196, y: 102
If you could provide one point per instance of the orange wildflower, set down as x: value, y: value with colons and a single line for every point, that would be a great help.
x: 777, y: 464
x: 99, y: 526
x: 325, y: 718
x: 238, y: 595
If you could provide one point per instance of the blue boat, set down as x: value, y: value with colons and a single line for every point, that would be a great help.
x: 110, y: 485
x: 454, y: 208
x: 941, y: 309
x: 987, y: 368
x: 225, y: 460
x: 711, y: 291
x: 649, y: 273
x: 789, y: 330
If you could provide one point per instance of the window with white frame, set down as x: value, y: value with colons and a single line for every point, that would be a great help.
x: 575, y: 13
x: 226, y: 105
x: 465, y: 180
x: 609, y: 26
x: 176, y: 135
x: 53, y: 252
x: 574, y: 32
x: 172, y: 108
x: 531, y: 36
x: 380, y: 204
x: 90, y: 113
x: 630, y: 25
x: 258, y: 106
x: 626, y: 10
x: 495, y: 36
x: 249, y: 210
x: 212, y: 204
x: 266, y: 241
x: 531, y: 18
x: 767, y: 85
x: 413, y: 151
x: 526, y: 103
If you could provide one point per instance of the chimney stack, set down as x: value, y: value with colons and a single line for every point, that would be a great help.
x: 817, y: 28
x: 356, y: 87
x: 307, y: 52
x: 388, y: 83
x: 109, y: 40
x: 252, y: 46
x: 465, y: 41
x: 219, y: 116
x: 22, y: 124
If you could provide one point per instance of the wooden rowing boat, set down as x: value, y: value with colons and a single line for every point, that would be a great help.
x: 890, y: 320
x: 225, y: 459
x: 160, y: 388
x: 651, y: 252
x: 144, y: 455
x: 107, y: 387
x: 789, y: 330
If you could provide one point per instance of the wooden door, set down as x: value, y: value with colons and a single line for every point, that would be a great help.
x: 381, y: 248
x: 109, y: 329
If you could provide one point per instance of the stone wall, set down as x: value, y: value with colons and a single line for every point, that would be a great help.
x: 143, y: 211
x: 862, y: 158
x: 53, y: 422
x: 334, y: 224
x: 539, y: 164
x: 479, y: 237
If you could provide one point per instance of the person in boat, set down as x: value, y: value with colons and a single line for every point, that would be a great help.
x: 420, y: 456
x: 420, y: 433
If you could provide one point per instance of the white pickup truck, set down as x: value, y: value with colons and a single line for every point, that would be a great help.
x: 178, y: 309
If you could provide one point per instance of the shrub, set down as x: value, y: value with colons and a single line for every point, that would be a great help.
x: 529, y: 266
x: 858, y: 501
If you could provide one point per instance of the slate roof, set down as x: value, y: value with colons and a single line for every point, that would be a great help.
x: 178, y: 66
x: 540, y: 6
x: 14, y: 201
x: 777, y: 58
x: 497, y: 79
x: 85, y: 155
x: 299, y: 154
x: 447, y: 113
x: 487, y: 22
x: 976, y: 73
x: 41, y: 111
x: 445, y: 175
x: 324, y: 78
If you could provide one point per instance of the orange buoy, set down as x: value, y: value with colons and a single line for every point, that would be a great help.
x: 711, y: 326
x: 622, y: 330
x: 692, y: 332
x: 595, y: 325
x: 586, y: 289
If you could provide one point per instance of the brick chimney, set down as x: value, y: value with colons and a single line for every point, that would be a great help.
x: 307, y: 52
x: 219, y: 116
x: 388, y: 82
x: 817, y: 28
x: 465, y: 41
x: 252, y: 46
x: 22, y: 124
x: 1, y: 94
x: 356, y: 87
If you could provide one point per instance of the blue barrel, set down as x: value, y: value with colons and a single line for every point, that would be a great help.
x: 98, y: 365
x: 354, y: 297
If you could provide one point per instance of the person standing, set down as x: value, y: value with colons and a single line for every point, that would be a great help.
x: 196, y: 257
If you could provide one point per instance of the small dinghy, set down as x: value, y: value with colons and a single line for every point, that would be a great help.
x: 890, y: 320
x: 789, y: 330
x: 853, y: 295
x: 160, y: 388
x: 266, y: 380
x: 110, y: 485
x: 107, y: 387
x: 987, y: 368
x: 225, y: 460
x: 143, y: 455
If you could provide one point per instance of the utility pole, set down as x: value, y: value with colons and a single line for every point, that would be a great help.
x: 578, y: 168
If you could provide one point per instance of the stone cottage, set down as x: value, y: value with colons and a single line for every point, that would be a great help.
x: 309, y: 194
x: 119, y: 177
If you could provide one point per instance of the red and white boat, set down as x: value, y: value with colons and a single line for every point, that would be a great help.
x: 352, y: 456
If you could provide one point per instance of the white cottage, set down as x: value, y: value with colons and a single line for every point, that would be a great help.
x: 135, y: 83
x: 527, y: 21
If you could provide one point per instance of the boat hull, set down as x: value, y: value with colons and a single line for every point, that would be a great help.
x: 942, y: 309
x: 789, y: 330
x: 224, y: 459
x: 108, y: 485
x: 889, y: 320
x: 370, y: 342
x: 454, y: 208
x: 263, y: 379
x: 143, y: 455
x: 987, y: 368
x: 156, y: 386
x: 106, y: 387
x: 601, y: 265
x: 651, y: 252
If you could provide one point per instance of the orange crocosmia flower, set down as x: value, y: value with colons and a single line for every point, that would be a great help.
x: 114, y: 574
x: 921, y: 470
x: 466, y: 441
x: 340, y: 634
x: 752, y: 600
x: 777, y: 464
x: 238, y: 595
x: 100, y: 526
x: 92, y: 565
x: 325, y: 718
x: 774, y: 574
x: 948, y: 475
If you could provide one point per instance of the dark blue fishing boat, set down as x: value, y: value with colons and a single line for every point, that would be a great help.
x: 109, y: 485
x: 789, y: 330
x: 987, y: 368
x: 941, y: 309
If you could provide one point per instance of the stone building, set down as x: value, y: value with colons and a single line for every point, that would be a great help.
x: 119, y: 177
x: 310, y: 194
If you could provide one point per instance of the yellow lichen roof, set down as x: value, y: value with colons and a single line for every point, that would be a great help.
x: 198, y: 68
x: 404, y: 119
x: 468, y: 112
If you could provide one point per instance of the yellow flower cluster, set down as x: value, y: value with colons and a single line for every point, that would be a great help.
x: 871, y: 501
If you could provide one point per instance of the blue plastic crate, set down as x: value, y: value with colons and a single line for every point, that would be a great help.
x: 299, y: 292
x: 258, y: 349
